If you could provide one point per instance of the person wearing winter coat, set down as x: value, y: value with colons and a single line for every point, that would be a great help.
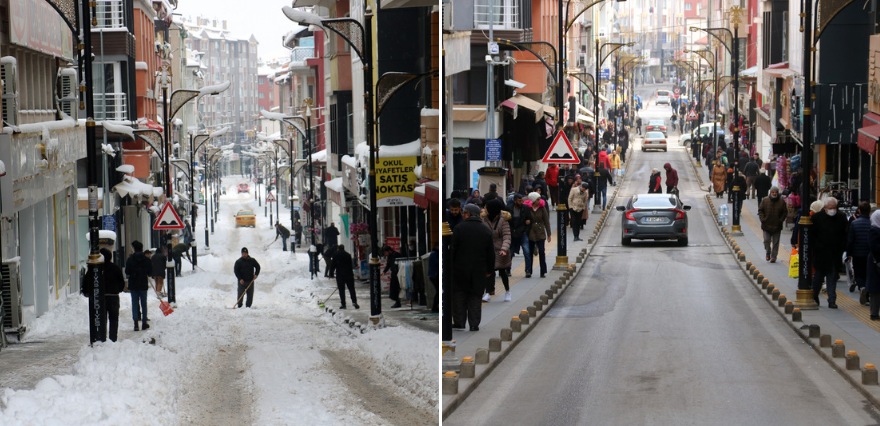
x: 391, y: 266
x: 345, y: 276
x: 858, y: 246
x: 475, y: 198
x: 298, y: 233
x: 246, y: 270
x: 113, y: 283
x: 552, y: 178
x: 655, y: 182
x: 602, y: 159
x: 538, y: 232
x: 827, y: 242
x: 772, y: 213
x: 138, y: 268
x: 520, y: 222
x: 872, y: 273
x: 497, y: 220
x: 284, y: 233
x: 577, y: 206
x: 719, y: 178
x: 614, y: 158
x: 763, y: 183
x: 739, y: 187
x: 541, y: 183
x: 671, y: 179
x: 158, y: 272
x: 602, y: 181
x: 177, y: 253
x: 473, y: 259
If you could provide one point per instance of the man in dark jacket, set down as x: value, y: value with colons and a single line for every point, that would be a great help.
x: 158, y: 260
x: 762, y: 186
x: 284, y: 233
x: 113, y: 282
x: 520, y: 222
x: 246, y: 270
x: 828, y: 242
x: 138, y: 268
x: 331, y: 235
x: 392, y: 266
x: 329, y: 257
x: 177, y: 253
x: 345, y: 276
x: 772, y: 213
x: 298, y: 232
x: 751, y: 171
x: 473, y: 262
x: 671, y: 178
x: 858, y: 247
x: 453, y: 213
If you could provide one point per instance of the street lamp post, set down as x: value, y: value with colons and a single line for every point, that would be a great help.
x: 599, y: 60
x: 195, y: 143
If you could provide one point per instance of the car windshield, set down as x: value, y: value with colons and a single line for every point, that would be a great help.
x: 654, y: 135
x: 662, y: 93
x: 245, y: 213
x: 656, y: 122
x: 654, y: 202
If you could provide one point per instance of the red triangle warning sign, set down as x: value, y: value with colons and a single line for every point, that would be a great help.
x: 168, y: 219
x: 561, y: 153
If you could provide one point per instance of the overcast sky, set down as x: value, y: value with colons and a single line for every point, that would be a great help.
x: 261, y: 18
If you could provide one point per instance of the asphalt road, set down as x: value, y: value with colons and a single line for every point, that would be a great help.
x: 660, y: 334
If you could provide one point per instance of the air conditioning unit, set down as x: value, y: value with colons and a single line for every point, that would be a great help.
x: 9, y: 75
x: 10, y: 289
x: 67, y: 99
x: 448, y: 17
x: 156, y: 164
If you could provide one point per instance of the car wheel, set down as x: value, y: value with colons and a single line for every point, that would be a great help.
x: 683, y: 241
x: 625, y: 241
x: 664, y: 149
x: 643, y: 149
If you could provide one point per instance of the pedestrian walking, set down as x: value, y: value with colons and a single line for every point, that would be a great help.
x: 538, y: 232
x: 496, y: 219
x: 113, y: 282
x: 314, y: 265
x: 246, y: 270
x: 284, y: 233
x: 520, y: 223
x: 763, y: 183
x: 828, y: 240
x: 473, y: 258
x: 331, y: 235
x: 671, y: 179
x: 298, y: 233
x: 392, y: 266
x: 655, y: 182
x: 329, y: 257
x: 614, y: 158
x: 719, y: 178
x: 158, y: 260
x: 858, y: 245
x: 345, y: 276
x: 603, y: 181
x: 751, y: 171
x: 738, y: 186
x: 872, y: 273
x: 177, y: 253
x: 552, y: 178
x: 475, y: 198
x: 138, y: 268
x: 452, y: 215
x: 577, y: 204
x: 772, y: 213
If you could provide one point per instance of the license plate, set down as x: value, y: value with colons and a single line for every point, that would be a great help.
x: 655, y: 220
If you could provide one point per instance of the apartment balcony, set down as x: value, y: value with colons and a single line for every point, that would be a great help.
x: 111, y: 106
x: 299, y: 55
x: 110, y: 14
x: 509, y: 19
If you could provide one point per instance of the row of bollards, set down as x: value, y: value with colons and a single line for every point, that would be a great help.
x: 838, y: 349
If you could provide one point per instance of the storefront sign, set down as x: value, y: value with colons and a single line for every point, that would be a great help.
x: 874, y: 75
x: 35, y: 25
x: 395, y: 181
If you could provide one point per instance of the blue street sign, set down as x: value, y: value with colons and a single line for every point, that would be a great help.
x: 605, y: 73
x: 493, y: 150
x: 108, y: 222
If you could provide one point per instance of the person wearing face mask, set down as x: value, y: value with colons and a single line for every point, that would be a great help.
x: 772, y: 213
x: 828, y: 236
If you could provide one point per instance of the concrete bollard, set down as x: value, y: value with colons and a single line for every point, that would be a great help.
x: 450, y: 383
x: 742, y: 257
x: 796, y: 315
x: 544, y: 299
x: 749, y: 265
x: 494, y: 344
x: 524, y: 317
x: 770, y: 288
x: 789, y: 307
x: 506, y: 334
x: 482, y: 356
x: 815, y: 331
x: 531, y: 311
x: 538, y: 305
x: 765, y: 282
x: 759, y: 277
x: 825, y: 341
x: 752, y: 269
x: 549, y: 293
x: 852, y: 360
x: 838, y: 349
x: 515, y: 324
x: 782, y: 300
x: 869, y: 374
x: 775, y: 294
x: 559, y: 281
x: 468, y: 368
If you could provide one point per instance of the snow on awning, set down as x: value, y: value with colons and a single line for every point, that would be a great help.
x: 335, y: 193
x: 409, y: 149
x: 320, y: 156
x: 132, y: 186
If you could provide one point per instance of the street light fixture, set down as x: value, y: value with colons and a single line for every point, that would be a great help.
x: 195, y: 143
x: 303, y: 127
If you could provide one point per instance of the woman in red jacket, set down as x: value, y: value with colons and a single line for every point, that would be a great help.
x: 551, y: 176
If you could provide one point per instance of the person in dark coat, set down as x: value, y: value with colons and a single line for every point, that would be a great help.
x: 345, y: 276
x: 762, y: 186
x: 671, y: 178
x: 603, y: 181
x: 298, y: 232
x: 828, y: 242
x: 138, y: 268
x: 858, y: 245
x: 655, y: 182
x: 740, y: 187
x: 872, y: 273
x: 284, y: 233
x: 177, y: 253
x: 113, y: 282
x: 330, y: 258
x: 452, y: 215
x: 331, y: 237
x: 246, y: 270
x: 473, y: 259
x: 392, y: 266
x: 520, y: 222
x: 772, y: 213
x: 158, y: 260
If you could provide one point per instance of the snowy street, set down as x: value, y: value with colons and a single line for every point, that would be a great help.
x: 285, y: 361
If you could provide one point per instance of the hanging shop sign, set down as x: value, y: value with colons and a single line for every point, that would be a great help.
x: 395, y: 181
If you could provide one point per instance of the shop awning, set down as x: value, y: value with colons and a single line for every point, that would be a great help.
x: 520, y: 101
x: 549, y: 110
x: 779, y: 70
x: 750, y: 72
x: 868, y: 137
x: 335, y: 191
x: 427, y: 194
x: 132, y: 186
x: 585, y: 119
x: 471, y: 113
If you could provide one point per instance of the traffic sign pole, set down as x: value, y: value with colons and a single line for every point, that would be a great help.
x: 561, y: 152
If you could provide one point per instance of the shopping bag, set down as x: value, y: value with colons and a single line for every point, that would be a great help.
x: 793, y: 264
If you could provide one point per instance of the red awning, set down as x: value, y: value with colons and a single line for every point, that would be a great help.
x: 868, y: 137
x: 427, y: 194
x: 150, y: 124
x: 870, y: 119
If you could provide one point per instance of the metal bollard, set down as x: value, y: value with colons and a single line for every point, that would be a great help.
x: 764, y: 283
x: 838, y: 349
x: 852, y: 360
x: 549, y: 293
x: 869, y: 374
x: 468, y: 368
x: 450, y: 383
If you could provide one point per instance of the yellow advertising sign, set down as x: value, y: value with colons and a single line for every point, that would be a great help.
x: 395, y: 180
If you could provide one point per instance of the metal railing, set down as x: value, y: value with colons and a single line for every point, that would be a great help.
x: 111, y: 106
x: 110, y: 14
x: 504, y: 14
x: 300, y: 54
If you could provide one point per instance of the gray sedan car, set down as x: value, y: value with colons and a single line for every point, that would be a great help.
x: 654, y: 217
